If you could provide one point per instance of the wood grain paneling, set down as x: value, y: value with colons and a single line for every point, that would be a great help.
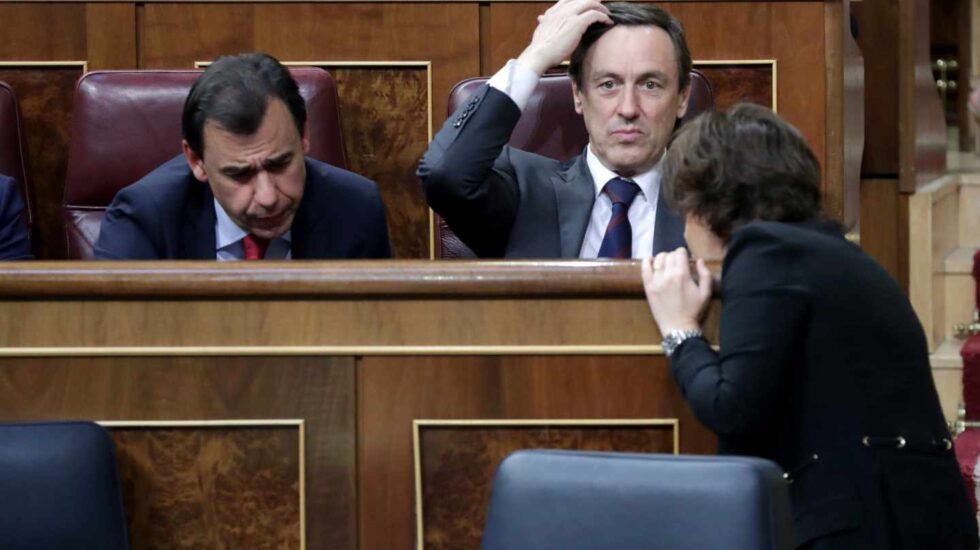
x: 317, y: 390
x: 48, y: 31
x: 45, y: 95
x: 385, y: 123
x: 338, y: 323
x: 459, y: 463
x: 210, y: 487
x: 877, y: 23
x: 392, y: 392
x: 845, y: 111
x: 110, y: 35
x: 178, y: 34
x: 174, y: 36
x: 734, y: 83
x: 102, y: 35
x: 922, y: 123
x: 447, y: 35
x: 879, y: 222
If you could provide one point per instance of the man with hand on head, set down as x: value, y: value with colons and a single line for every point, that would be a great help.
x: 243, y: 188
x: 630, y: 68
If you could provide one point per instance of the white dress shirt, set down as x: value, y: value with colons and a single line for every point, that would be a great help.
x: 518, y: 82
x: 229, y: 240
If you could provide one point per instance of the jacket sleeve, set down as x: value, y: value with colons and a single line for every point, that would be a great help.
x: 15, y: 243
x: 382, y: 242
x: 736, y: 391
x: 467, y: 175
x: 126, y: 230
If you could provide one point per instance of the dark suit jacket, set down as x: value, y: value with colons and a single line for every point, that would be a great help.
x: 820, y: 349
x: 170, y: 215
x: 14, y: 241
x: 504, y: 202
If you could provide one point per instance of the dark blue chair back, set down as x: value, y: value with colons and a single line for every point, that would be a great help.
x: 591, y: 500
x: 59, y: 487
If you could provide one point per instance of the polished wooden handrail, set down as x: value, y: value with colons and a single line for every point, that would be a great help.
x: 319, y: 279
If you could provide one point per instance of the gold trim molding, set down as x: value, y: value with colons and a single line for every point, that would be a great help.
x: 194, y: 351
x: 419, y: 424
x: 297, y: 423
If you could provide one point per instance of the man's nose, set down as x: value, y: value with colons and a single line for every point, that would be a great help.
x: 628, y: 107
x: 265, y: 190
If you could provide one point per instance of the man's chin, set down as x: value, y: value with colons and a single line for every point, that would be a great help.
x: 270, y: 232
x: 630, y: 167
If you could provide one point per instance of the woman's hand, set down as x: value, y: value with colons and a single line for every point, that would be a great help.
x: 676, y: 301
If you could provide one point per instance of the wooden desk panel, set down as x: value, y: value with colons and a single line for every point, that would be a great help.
x: 211, y: 449
x: 395, y: 391
x: 287, y: 393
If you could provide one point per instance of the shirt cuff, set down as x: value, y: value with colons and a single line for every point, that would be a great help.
x: 517, y: 81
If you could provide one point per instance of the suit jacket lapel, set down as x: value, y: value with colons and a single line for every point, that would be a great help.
x: 668, y: 229
x: 575, y: 195
x: 198, y: 238
x: 306, y: 219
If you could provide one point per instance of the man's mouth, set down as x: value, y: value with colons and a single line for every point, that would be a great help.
x: 268, y: 222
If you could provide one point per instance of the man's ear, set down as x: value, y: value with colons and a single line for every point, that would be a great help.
x: 577, y: 97
x: 685, y: 97
x: 195, y: 162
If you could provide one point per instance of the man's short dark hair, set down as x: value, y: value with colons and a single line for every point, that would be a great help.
x: 635, y: 15
x: 234, y: 92
x: 743, y: 166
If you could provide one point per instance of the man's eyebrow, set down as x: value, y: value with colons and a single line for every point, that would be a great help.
x: 655, y: 74
x: 606, y: 74
x: 279, y: 159
x: 649, y: 74
x: 236, y: 170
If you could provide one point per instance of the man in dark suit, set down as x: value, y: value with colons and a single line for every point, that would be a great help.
x: 14, y: 241
x: 243, y: 189
x: 630, y: 69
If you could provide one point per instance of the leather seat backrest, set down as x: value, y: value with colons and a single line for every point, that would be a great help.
x: 578, y: 500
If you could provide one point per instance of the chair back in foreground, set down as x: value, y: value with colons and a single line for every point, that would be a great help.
x: 59, y: 487
x: 549, y: 126
x: 126, y: 123
x: 13, y: 157
x: 592, y: 500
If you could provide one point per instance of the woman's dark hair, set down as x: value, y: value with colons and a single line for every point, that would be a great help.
x: 635, y: 15
x: 729, y: 169
x: 234, y: 92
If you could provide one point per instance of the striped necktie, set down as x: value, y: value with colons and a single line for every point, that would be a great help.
x: 618, y: 240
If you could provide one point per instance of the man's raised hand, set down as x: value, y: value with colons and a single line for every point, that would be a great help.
x: 559, y: 31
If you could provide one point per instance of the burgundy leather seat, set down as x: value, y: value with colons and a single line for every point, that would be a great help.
x: 126, y: 123
x: 13, y: 158
x: 549, y: 126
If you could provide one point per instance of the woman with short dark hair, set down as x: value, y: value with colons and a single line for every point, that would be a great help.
x: 823, y: 365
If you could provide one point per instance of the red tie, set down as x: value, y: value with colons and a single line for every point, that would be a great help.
x: 255, y: 247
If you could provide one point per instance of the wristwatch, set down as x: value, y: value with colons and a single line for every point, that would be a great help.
x: 674, y: 338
